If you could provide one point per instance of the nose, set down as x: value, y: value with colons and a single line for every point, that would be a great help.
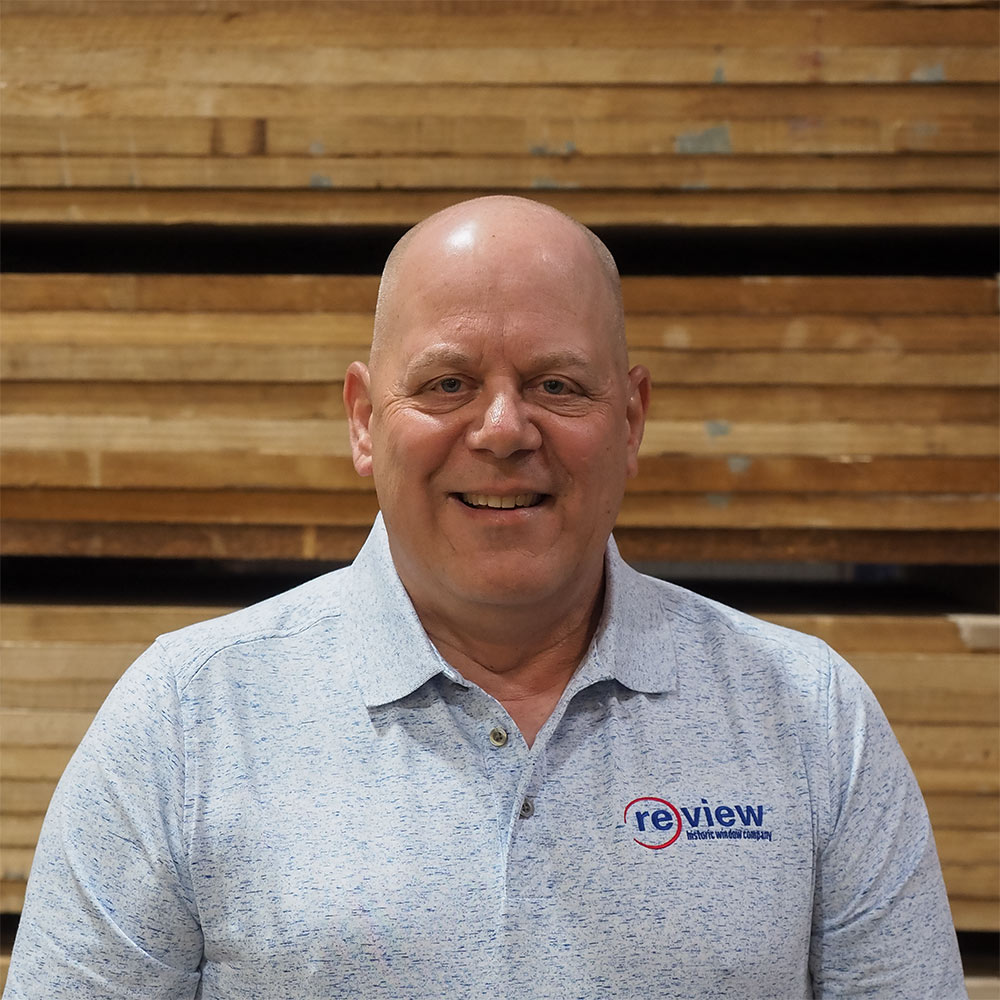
x: 503, y: 425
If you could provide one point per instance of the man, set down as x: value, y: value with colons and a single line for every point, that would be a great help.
x: 489, y: 759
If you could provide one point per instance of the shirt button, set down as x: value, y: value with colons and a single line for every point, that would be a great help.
x: 498, y: 736
x: 527, y: 809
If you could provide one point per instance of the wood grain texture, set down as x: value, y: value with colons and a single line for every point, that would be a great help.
x: 323, y: 207
x: 858, y: 297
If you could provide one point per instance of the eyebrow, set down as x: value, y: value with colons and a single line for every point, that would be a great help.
x: 437, y: 356
x: 444, y: 356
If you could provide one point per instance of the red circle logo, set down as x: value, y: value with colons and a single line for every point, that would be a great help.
x: 651, y: 821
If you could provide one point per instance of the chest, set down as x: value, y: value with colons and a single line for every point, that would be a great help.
x: 412, y: 853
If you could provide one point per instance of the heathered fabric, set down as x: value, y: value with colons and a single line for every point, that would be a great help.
x: 302, y: 800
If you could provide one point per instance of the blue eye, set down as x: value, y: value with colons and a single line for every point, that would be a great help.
x: 450, y: 385
x: 554, y: 386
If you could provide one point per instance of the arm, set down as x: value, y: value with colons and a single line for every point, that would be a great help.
x: 109, y: 910
x: 881, y: 923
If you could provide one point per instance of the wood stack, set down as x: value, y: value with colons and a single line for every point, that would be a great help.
x: 693, y: 112
x: 839, y: 419
x: 833, y: 418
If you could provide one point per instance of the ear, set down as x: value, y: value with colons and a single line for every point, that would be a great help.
x: 358, y: 403
x: 639, y: 385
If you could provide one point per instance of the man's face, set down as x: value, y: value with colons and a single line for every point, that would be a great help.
x: 503, y: 423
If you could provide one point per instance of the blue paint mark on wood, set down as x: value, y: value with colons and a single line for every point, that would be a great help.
x: 550, y: 184
x: 711, y: 140
x: 568, y: 148
x: 930, y: 73
x: 717, y: 499
x: 717, y: 428
x: 738, y: 464
x: 320, y: 181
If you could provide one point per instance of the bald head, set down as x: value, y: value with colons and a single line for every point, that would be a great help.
x: 479, y: 239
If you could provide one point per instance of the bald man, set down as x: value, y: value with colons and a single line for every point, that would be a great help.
x: 489, y: 758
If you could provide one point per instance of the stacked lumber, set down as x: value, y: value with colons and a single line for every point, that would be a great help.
x: 935, y: 676
x: 690, y: 112
x: 847, y: 419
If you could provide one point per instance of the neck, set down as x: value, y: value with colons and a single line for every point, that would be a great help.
x: 522, y: 658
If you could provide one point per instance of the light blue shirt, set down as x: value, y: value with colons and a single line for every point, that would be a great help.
x: 303, y: 799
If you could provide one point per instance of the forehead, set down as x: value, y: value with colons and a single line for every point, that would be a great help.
x: 542, y: 289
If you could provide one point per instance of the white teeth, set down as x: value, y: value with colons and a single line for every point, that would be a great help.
x: 501, y: 503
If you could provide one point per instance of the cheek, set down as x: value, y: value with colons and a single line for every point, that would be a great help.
x: 409, y: 447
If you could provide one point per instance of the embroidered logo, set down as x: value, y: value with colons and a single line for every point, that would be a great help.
x: 656, y: 823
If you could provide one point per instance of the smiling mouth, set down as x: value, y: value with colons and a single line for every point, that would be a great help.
x: 494, y: 502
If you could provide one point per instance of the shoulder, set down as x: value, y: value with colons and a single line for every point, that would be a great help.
x: 712, y: 634
x: 314, y: 611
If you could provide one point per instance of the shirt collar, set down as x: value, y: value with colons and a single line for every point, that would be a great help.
x: 632, y: 645
x: 634, y: 642
x: 394, y: 654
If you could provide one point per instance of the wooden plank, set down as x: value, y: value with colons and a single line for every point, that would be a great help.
x: 56, y: 730
x: 37, y: 763
x: 824, y: 332
x: 955, y: 548
x: 971, y: 847
x: 131, y: 625
x: 829, y: 439
x: 982, y: 987
x: 451, y: 64
x: 544, y: 139
x: 245, y: 468
x: 43, y: 661
x: 164, y: 329
x: 566, y: 136
x: 74, y: 25
x: 19, y: 831
x: 838, y: 473
x: 890, y: 102
x: 25, y: 797
x: 96, y: 136
x: 322, y: 208
x: 803, y: 332
x: 16, y: 864
x: 79, y: 359
x: 569, y: 135
x: 340, y: 543
x: 776, y: 510
x: 972, y: 881
x: 840, y: 296
x: 11, y: 901
x: 653, y: 173
x: 74, y: 695
x: 915, y: 687
x: 934, y: 749
x: 355, y: 509
x: 963, y: 812
x: 977, y: 915
x: 887, y: 634
x: 99, y: 436
x: 664, y: 296
x: 754, y: 404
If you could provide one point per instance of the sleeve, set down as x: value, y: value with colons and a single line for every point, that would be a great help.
x: 881, y: 922
x: 109, y: 910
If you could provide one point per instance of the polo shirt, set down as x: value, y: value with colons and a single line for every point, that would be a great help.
x: 303, y: 799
